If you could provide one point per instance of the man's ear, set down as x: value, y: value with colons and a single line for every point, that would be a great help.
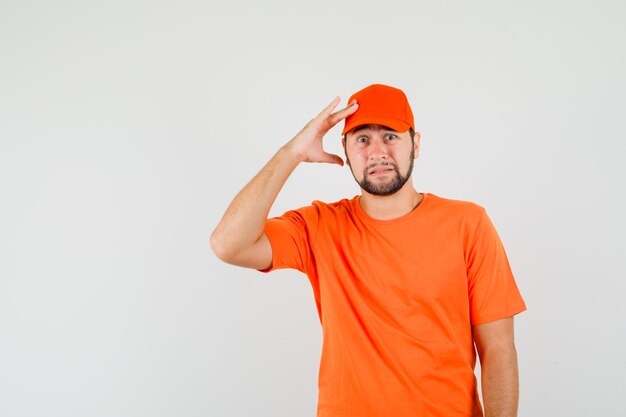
x: 343, y: 143
x: 416, y: 144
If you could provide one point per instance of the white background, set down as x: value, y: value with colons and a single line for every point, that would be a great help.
x: 127, y: 127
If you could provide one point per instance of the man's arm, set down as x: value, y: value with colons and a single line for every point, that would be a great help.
x: 241, y: 227
x: 239, y: 237
x: 498, y: 367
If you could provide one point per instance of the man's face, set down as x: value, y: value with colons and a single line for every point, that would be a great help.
x: 381, y: 159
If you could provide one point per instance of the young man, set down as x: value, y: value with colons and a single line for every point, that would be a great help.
x: 405, y: 282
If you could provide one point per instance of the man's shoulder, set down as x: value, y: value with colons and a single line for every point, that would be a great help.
x: 341, y: 204
x: 457, y: 206
x: 329, y: 209
x: 319, y: 208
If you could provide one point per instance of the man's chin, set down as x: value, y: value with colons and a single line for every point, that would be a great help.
x: 381, y: 192
x: 391, y: 187
x: 384, y: 194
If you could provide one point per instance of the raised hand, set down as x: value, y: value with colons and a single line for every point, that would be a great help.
x: 307, y: 144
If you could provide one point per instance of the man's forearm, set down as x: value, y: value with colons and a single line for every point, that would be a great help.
x: 244, y: 220
x: 500, y: 382
x: 243, y: 223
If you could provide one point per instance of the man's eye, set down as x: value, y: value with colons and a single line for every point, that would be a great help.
x: 390, y: 136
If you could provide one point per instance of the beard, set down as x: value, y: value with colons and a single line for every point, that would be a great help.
x: 388, y: 186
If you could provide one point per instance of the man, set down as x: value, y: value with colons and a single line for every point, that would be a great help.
x: 404, y: 282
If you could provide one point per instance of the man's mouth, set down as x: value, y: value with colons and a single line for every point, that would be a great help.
x: 380, y: 170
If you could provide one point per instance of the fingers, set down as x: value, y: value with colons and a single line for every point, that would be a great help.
x: 335, y: 118
x: 330, y: 107
x: 333, y: 159
x: 328, y: 110
x: 327, y: 119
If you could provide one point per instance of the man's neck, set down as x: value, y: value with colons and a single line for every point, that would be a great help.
x: 391, y: 206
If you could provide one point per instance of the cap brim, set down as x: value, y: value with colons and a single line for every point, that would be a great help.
x: 397, y: 125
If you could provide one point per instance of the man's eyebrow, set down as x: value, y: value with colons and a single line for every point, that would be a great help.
x: 363, y: 127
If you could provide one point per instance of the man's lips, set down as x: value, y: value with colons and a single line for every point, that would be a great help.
x: 380, y: 170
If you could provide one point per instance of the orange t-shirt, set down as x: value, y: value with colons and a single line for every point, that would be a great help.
x: 396, y: 300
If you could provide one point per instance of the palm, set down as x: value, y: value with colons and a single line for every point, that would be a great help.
x: 309, y: 141
x: 316, y: 152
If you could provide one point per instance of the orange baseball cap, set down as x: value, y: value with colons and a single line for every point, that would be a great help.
x: 383, y: 105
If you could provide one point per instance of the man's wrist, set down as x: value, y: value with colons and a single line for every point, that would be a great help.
x: 290, y: 152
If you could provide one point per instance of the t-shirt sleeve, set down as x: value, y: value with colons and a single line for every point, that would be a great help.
x: 493, y: 292
x: 292, y: 236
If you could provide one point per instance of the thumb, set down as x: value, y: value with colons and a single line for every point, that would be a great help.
x: 333, y: 159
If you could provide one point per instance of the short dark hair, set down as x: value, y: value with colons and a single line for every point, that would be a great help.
x: 411, y: 132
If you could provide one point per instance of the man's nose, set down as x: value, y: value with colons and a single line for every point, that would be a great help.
x: 377, y: 148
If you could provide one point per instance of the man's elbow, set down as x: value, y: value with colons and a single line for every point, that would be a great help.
x: 218, y: 247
